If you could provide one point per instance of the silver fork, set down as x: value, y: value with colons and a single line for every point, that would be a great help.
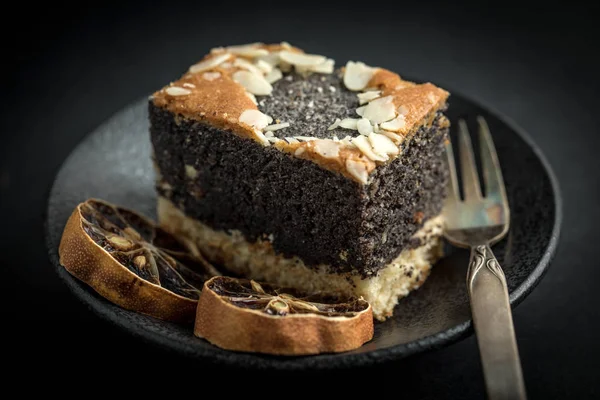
x: 477, y: 222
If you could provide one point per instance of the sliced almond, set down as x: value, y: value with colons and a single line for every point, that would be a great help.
x: 255, y: 119
x: 272, y: 59
x: 327, y: 148
x: 383, y: 145
x: 335, y: 124
x: 361, y: 110
x: 253, y: 83
x: 395, y: 137
x: 251, y: 97
x: 177, y: 91
x: 325, y: 67
x: 251, y: 50
x: 211, y: 76
x: 396, y: 125
x: 364, y: 146
x: 261, y: 137
x: 276, y: 127
x: 347, y: 141
x: 368, y: 96
x: 358, y: 170
x: 301, y: 59
x: 357, y: 75
x: 247, y: 65
x: 380, y: 110
x: 264, y: 66
x: 364, y: 126
x: 274, y: 75
x: 210, y: 63
x: 349, y: 123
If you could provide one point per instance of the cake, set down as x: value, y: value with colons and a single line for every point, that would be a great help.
x: 283, y: 169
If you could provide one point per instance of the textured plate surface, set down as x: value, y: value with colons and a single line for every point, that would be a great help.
x: 113, y: 163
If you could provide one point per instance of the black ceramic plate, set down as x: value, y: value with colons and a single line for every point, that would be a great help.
x: 113, y: 163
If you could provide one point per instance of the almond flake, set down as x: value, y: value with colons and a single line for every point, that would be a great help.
x: 272, y: 58
x: 368, y: 96
x: 301, y: 59
x: 325, y: 67
x: 291, y: 140
x: 349, y: 123
x: 264, y: 66
x: 402, y: 110
x: 335, y: 124
x: 210, y: 63
x: 383, y: 145
x: 395, y: 125
x: 177, y: 91
x: 364, y: 146
x: 211, y: 76
x: 241, y: 63
x: 276, y: 127
x: 248, y: 50
x: 253, y: 83
x: 358, y: 170
x: 361, y: 110
x: 189, y: 85
x: 255, y: 119
x: 251, y: 97
x: 274, y: 75
x: 380, y: 110
x: 347, y: 141
x: 357, y: 75
x: 261, y: 138
x: 364, y: 126
x: 327, y: 148
x: 285, y: 45
x: 299, y: 151
x: 395, y: 137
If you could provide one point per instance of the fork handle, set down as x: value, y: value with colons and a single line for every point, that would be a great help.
x: 493, y: 322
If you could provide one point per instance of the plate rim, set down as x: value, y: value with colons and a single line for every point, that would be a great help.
x: 105, y: 309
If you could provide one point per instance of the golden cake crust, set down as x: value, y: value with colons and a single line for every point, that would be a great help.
x: 219, y: 91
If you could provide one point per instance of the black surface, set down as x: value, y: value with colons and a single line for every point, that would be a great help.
x: 71, y: 69
x: 117, y: 155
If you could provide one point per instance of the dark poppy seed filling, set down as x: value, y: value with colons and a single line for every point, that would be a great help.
x: 310, y: 104
x: 231, y: 183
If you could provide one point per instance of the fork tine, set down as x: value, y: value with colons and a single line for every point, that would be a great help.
x: 471, y: 189
x: 453, y: 194
x: 492, y: 175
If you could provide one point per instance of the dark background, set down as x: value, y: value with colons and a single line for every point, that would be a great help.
x: 66, y: 70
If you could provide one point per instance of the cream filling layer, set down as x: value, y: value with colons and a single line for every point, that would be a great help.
x: 260, y: 262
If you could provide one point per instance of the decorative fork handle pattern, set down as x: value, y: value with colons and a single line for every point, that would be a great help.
x: 493, y: 323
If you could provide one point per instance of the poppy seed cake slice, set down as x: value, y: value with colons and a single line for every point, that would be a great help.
x: 285, y: 170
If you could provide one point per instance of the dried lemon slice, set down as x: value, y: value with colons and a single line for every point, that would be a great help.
x: 243, y: 315
x: 132, y: 262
